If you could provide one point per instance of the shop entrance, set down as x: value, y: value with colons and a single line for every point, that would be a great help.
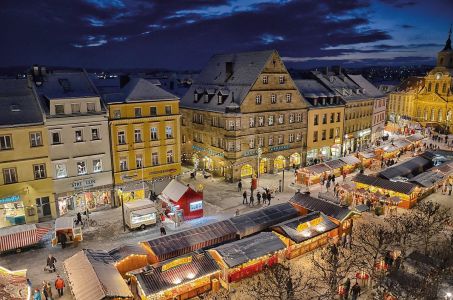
x: 246, y: 170
x: 294, y: 159
x: 195, y: 161
x: 263, y: 165
x: 279, y: 163
x: 43, y: 205
x: 208, y: 163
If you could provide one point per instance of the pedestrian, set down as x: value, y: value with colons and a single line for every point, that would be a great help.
x: 328, y: 185
x: 59, y: 285
x: 347, y: 287
x: 244, y: 199
x: 333, y: 178
x: 355, y: 291
x: 348, y: 241
x: 343, y: 240
x: 252, y: 200
x: 239, y: 186
x: 79, y: 218
x: 269, y: 196
x: 258, y: 198
x: 37, y: 295
x: 449, y: 189
x: 162, y: 230
x: 47, y: 290
x: 62, y: 239
x: 50, y: 264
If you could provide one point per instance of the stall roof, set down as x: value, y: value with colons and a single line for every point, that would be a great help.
x: 256, y: 221
x: 368, y: 154
x: 92, y: 275
x: 175, y: 190
x: 388, y: 148
x: 242, y: 251
x: 138, y: 203
x: 428, y: 179
x: 362, y: 208
x: 182, y: 242
x: 290, y: 228
x: 64, y: 222
x: 314, y: 204
x: 350, y: 160
x: 415, y: 137
x: 335, y: 164
x: 124, y: 251
x: 401, y: 143
x: 396, y: 186
x: 155, y: 279
x: 318, y: 169
x: 446, y: 168
x: 17, y: 229
x: 409, y: 168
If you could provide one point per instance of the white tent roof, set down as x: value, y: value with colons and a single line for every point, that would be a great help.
x: 175, y: 190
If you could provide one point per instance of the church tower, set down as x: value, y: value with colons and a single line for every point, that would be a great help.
x: 445, y: 57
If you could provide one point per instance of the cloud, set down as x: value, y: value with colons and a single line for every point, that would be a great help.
x: 400, y: 3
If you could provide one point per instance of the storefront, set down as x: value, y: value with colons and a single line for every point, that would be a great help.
x: 246, y: 170
x: 363, y: 138
x: 82, y: 200
x: 279, y: 163
x: 12, y: 211
x: 264, y: 165
x: 294, y: 159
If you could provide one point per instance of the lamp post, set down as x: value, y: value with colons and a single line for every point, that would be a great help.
x: 258, y: 153
x: 120, y: 193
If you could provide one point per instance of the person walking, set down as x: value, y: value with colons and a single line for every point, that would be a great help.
x: 328, y: 185
x: 50, y: 264
x: 162, y: 230
x: 348, y: 241
x: 269, y: 196
x: 258, y: 198
x: 355, y: 291
x: 79, y: 218
x: 252, y: 200
x: 239, y: 186
x: 47, y: 290
x: 347, y: 287
x: 244, y: 197
x: 59, y: 285
x: 344, y: 176
x: 37, y: 295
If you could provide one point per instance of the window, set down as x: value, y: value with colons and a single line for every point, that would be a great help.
x: 291, y: 118
x: 315, y: 136
x: 168, y: 132
x: 230, y: 146
x: 123, y: 164
x: 155, y: 158
x: 154, y: 134
x: 168, y: 110
x: 35, y: 139
x: 281, y: 79
x: 56, y: 138
x: 91, y: 107
x: 59, y: 109
x: 81, y: 168
x: 298, y: 117
x: 436, y: 87
x: 260, y: 141
x: 315, y: 120
x: 288, y: 98
x: 271, y: 141
x: 138, y: 161
x: 265, y: 79
x: 252, y: 143
x: 75, y: 108
x: 273, y: 98
x: 332, y: 117
x: 429, y: 87
x: 324, y: 119
x: 270, y: 120
x: 331, y: 133
x: 252, y: 122
x: 258, y: 99
x: 291, y: 137
x: 298, y: 137
x: 281, y: 119
x: 338, y: 117
x: 337, y: 132
x: 260, y: 121
x: 137, y: 112
x: 39, y: 171
x: 60, y: 170
x: 137, y: 135
x: 323, y: 135
x: 169, y: 156
x: 97, y: 165
x: 6, y: 142
x: 95, y: 134
x: 78, y: 135
x: 9, y: 175
x: 280, y: 139
x: 116, y: 114
x: 121, y: 138
x: 153, y: 111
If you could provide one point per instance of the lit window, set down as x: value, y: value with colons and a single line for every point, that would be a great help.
x: 35, y: 139
x: 265, y: 79
x: 168, y: 132
x: 252, y: 143
x: 271, y: 141
x: 39, y: 171
x: 273, y: 98
x: 270, y: 120
x: 258, y: 99
x: 78, y: 136
x: 281, y: 119
x: 260, y: 121
x: 252, y: 122
x: 281, y: 79
x: 291, y: 137
x: 95, y: 134
x: 288, y: 98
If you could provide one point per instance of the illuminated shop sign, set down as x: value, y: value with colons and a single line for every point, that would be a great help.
x: 279, y: 148
x: 9, y: 199
x: 177, y: 262
x: 197, y: 205
x: 86, y: 183
x: 250, y: 153
x: 209, y: 151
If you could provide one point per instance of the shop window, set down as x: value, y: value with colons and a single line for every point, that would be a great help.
x: 116, y: 114
x: 155, y: 158
x: 138, y: 135
x: 9, y: 175
x: 78, y: 135
x: 35, y: 139
x: 121, y: 138
x: 252, y: 122
x: 154, y: 134
x: 153, y: 111
x: 123, y: 164
x: 137, y: 112
x: 168, y: 110
x: 59, y: 109
x: 323, y: 135
x: 273, y: 98
x: 81, y: 168
x: 265, y: 79
x: 39, y: 171
x: 288, y: 98
x: 168, y: 132
x: 56, y: 139
x: 6, y: 142
x: 97, y: 165
x: 170, y: 157
x: 138, y: 161
x: 60, y: 170
x: 95, y: 134
x: 75, y: 108
x: 270, y: 120
x: 258, y: 99
x: 91, y: 107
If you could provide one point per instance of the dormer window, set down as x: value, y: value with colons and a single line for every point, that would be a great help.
x: 331, y: 100
x: 323, y: 101
x: 315, y: 102
x: 195, y: 97
x: 15, y: 107
x: 219, y: 99
x: 206, y: 98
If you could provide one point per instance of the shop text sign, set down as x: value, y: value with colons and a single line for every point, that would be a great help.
x: 250, y: 153
x: 81, y: 184
x: 9, y: 199
x: 209, y: 151
x: 177, y: 262
x: 278, y: 148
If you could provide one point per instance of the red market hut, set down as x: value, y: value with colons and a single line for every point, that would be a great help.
x: 181, y: 201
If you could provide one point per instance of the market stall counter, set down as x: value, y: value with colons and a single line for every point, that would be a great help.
x: 13, y: 285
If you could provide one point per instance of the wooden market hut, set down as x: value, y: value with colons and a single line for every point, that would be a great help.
x: 403, y: 144
x: 183, y: 242
x: 248, y: 256
x: 367, y: 158
x: 407, y: 192
x: 306, y: 233
x: 92, y: 275
x: 336, y: 166
x: 182, y: 198
x: 415, y: 139
x: 407, y: 169
x: 351, y: 163
x: 183, y: 277
x: 312, y: 174
x: 387, y: 151
x: 130, y: 257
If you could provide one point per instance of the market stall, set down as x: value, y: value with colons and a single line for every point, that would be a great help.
x: 306, y: 233
x: 129, y: 257
x: 13, y: 285
x: 67, y: 227
x: 351, y: 163
x: 248, y: 256
x: 336, y: 166
x: 416, y: 139
x: 181, y: 202
x: 312, y: 174
x: 21, y: 236
x: 140, y: 213
x: 180, y: 278
x: 403, y: 145
x: 387, y: 151
x: 92, y: 275
x: 407, y: 169
x: 429, y: 181
x: 367, y: 158
x: 407, y: 192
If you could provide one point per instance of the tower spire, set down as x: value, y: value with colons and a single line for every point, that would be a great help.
x: 448, y: 42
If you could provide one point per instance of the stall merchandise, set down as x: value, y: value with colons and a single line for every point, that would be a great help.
x: 181, y: 201
x: 20, y: 236
x: 180, y: 278
x: 248, y: 256
x: 13, y: 285
x: 140, y: 213
x: 92, y: 275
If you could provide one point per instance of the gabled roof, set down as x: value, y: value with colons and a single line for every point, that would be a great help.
x: 368, y: 88
x: 139, y: 90
x: 409, y: 168
x: 396, y: 186
x: 175, y: 190
x: 311, y: 88
x: 341, y: 84
x: 18, y: 104
x: 124, y: 251
x: 314, y: 204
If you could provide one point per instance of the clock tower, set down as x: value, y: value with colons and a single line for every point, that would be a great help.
x: 445, y: 57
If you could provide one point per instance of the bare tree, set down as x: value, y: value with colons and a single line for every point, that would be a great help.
x: 403, y: 232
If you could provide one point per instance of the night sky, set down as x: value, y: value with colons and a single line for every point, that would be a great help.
x: 177, y: 34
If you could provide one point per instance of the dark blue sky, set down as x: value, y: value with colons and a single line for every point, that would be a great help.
x: 179, y: 34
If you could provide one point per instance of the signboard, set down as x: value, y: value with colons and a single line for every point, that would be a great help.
x: 9, y: 199
x: 209, y: 151
x: 249, y: 153
x: 83, y: 184
x: 312, y: 223
x: 279, y: 148
x: 177, y: 262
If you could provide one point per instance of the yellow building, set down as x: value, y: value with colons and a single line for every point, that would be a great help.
x: 26, y: 193
x: 429, y: 100
x: 325, y: 120
x: 144, y: 123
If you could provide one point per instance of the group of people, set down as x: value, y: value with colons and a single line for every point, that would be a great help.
x: 45, y: 291
x: 264, y: 197
x: 328, y: 180
x: 354, y: 291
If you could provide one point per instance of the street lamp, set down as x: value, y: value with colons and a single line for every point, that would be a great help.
x: 120, y: 193
x: 258, y: 153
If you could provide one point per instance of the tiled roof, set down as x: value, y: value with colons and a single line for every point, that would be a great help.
x: 18, y: 104
x: 368, y: 88
x: 256, y: 221
x: 183, y: 242
x: 396, y: 186
x: 311, y: 88
x: 242, y: 251
x: 155, y: 280
x: 409, y: 168
x: 314, y: 204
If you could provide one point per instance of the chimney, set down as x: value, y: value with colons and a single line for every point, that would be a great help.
x: 228, y: 69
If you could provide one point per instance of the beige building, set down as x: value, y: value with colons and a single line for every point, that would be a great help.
x: 79, y: 150
x: 244, y: 111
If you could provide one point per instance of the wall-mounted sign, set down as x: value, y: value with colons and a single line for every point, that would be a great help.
x: 9, y: 199
x: 209, y: 151
x: 250, y: 152
x: 177, y: 262
x: 82, y: 184
x: 163, y: 171
x: 197, y: 205
x: 278, y: 148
